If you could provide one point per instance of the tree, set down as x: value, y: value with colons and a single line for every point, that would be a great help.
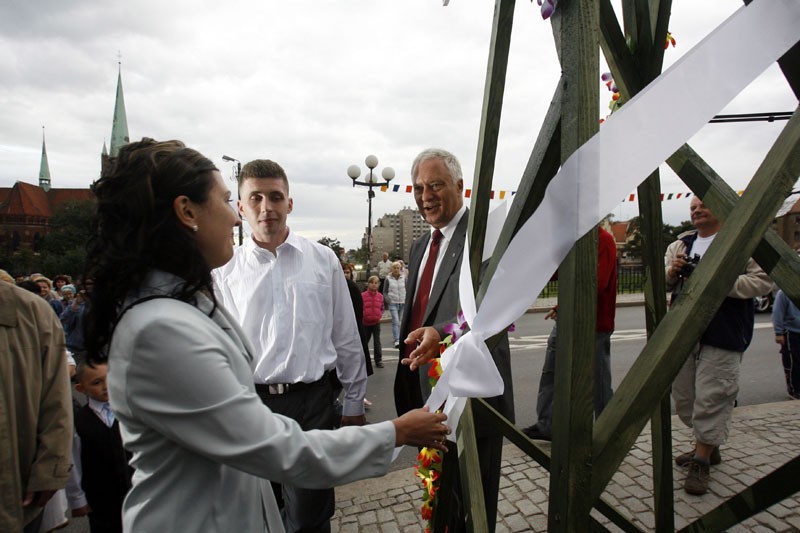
x: 674, y: 231
x: 64, y: 248
x: 633, y: 246
x: 358, y: 256
x: 333, y: 244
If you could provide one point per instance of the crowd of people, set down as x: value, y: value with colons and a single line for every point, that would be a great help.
x: 222, y: 389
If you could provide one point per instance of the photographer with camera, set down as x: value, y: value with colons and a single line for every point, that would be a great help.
x: 705, y: 389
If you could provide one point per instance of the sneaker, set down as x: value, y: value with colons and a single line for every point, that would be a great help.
x: 534, y: 433
x: 379, y: 364
x: 396, y: 344
x: 684, y: 458
x: 697, y: 478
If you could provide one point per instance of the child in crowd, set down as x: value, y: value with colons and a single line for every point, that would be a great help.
x: 786, y: 322
x: 100, y: 459
x: 373, y: 310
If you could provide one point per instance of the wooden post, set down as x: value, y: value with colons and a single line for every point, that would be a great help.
x: 651, y: 374
x: 570, y: 473
x: 646, y: 27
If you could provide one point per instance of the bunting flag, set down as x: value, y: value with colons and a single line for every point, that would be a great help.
x: 501, y: 195
x: 654, y: 124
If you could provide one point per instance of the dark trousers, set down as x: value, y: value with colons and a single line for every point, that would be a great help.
x: 790, y: 356
x: 306, y: 510
x: 375, y: 332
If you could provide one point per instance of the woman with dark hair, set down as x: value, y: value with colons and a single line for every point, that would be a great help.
x: 180, y: 374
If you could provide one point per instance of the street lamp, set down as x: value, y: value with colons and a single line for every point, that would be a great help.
x: 238, y: 173
x: 371, y: 181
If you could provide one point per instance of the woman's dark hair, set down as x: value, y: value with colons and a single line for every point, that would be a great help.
x: 135, y: 230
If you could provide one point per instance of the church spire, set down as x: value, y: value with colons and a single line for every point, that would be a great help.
x: 119, y: 128
x: 44, y: 167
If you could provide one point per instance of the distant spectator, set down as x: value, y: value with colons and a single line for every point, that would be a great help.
x: 46, y: 292
x: 5, y: 276
x: 786, y: 322
x: 373, y: 311
x: 358, y: 309
x: 705, y: 389
x: 59, y: 281
x: 604, y: 327
x: 72, y: 318
x: 35, y: 406
x: 67, y: 295
x: 30, y: 286
x: 394, y: 296
x: 384, y: 268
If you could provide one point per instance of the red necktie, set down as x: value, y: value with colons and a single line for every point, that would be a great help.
x: 424, y: 290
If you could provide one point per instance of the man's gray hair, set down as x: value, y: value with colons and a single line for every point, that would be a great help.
x: 449, y: 160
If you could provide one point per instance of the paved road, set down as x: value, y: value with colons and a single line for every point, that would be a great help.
x: 761, y: 378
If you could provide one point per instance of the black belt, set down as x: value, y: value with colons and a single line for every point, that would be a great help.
x: 278, y: 389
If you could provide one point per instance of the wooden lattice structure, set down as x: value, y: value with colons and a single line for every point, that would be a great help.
x: 581, y: 470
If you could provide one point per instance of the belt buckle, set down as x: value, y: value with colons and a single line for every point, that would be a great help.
x: 279, y: 388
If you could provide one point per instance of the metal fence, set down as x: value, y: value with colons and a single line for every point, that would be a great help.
x: 630, y: 279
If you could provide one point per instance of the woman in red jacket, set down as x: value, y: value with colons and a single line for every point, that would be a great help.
x: 373, y: 311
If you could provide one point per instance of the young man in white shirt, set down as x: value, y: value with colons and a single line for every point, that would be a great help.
x: 291, y: 299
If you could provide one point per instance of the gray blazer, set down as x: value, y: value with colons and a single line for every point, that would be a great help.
x: 203, y: 443
x: 442, y: 309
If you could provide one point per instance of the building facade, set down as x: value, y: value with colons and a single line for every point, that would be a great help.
x: 26, y: 209
x: 395, y: 232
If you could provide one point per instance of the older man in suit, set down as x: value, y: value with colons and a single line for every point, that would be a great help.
x: 432, y: 302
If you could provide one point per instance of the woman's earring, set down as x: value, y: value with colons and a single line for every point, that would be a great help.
x: 195, y: 228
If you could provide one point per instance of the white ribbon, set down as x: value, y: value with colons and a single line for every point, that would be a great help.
x: 641, y: 135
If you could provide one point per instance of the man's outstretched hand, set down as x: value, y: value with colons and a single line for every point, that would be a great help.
x: 425, y: 342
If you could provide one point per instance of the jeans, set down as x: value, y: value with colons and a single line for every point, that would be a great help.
x: 396, y: 311
x: 602, y: 379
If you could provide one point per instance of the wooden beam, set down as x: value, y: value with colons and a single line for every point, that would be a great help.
x: 772, y: 254
x: 652, y: 19
x: 543, y: 164
x: 570, y: 473
x: 493, y: 91
x: 653, y: 372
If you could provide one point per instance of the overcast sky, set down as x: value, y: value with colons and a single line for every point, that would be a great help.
x: 316, y: 86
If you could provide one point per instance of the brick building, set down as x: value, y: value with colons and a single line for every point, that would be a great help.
x: 26, y: 209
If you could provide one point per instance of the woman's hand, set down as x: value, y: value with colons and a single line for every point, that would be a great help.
x: 420, y: 427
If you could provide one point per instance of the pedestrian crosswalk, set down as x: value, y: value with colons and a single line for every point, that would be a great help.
x: 533, y: 342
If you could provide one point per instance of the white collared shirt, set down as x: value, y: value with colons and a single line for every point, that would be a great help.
x: 295, y: 309
x: 447, y: 234
x: 97, y: 409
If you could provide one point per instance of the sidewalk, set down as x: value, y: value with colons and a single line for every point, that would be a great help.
x: 762, y: 438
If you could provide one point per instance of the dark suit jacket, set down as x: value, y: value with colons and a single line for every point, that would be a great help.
x: 442, y: 310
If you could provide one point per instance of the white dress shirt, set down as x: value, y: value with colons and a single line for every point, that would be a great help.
x: 295, y: 308
x: 447, y: 234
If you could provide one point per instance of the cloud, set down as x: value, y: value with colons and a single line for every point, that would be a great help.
x: 314, y: 85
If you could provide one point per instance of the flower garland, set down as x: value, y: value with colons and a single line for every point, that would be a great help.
x: 429, y: 460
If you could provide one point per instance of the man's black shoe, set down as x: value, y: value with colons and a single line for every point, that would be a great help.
x: 379, y: 364
x: 534, y: 433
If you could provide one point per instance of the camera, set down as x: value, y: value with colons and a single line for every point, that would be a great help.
x: 688, y: 268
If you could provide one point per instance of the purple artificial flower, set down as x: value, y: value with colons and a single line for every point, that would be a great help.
x: 456, y: 329
x: 548, y: 6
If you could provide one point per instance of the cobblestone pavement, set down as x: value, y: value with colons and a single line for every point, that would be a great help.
x: 762, y: 438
